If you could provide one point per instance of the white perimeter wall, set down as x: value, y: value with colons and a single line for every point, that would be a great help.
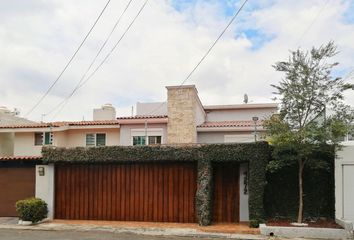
x: 244, y: 211
x: 344, y: 183
x: 45, y: 187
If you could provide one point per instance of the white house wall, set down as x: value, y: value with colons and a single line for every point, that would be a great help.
x: 6, y: 144
x: 238, y: 114
x: 219, y: 137
x: 126, y: 132
x: 77, y: 137
x: 24, y: 145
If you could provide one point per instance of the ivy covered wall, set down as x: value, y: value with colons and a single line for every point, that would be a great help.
x: 256, y: 154
x: 281, y: 192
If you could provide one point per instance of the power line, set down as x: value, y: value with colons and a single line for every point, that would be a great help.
x: 63, y: 103
x: 108, y: 55
x: 312, y: 23
x: 71, y: 59
x: 207, y: 52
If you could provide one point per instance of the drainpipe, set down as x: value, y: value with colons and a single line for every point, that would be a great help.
x: 146, y: 143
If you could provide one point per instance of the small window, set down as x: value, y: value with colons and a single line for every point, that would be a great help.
x: 95, y: 139
x: 43, y: 138
x: 48, y: 138
x: 100, y: 139
x: 90, y: 140
x: 154, y: 140
x: 38, y: 139
x: 138, y: 140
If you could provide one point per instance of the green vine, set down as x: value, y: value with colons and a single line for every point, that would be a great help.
x: 256, y: 154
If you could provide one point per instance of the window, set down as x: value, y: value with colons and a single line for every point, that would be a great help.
x: 95, y: 139
x: 39, y: 140
x: 100, y: 139
x: 90, y: 140
x: 138, y: 140
x: 154, y: 140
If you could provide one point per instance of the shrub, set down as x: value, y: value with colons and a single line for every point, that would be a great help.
x: 255, y: 223
x: 32, y: 209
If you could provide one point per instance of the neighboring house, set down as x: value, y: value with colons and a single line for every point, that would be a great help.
x: 183, y: 119
x: 8, y: 117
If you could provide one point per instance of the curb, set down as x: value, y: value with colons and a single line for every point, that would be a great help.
x: 179, y: 232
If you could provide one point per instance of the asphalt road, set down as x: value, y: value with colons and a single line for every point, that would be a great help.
x: 6, y: 234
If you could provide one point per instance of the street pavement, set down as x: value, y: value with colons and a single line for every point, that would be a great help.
x: 15, y: 234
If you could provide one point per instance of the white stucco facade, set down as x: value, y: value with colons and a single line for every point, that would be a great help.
x: 45, y: 187
x: 344, y: 183
x: 24, y: 144
x: 153, y: 129
x: 243, y: 181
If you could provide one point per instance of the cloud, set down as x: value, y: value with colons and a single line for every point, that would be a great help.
x: 168, y: 39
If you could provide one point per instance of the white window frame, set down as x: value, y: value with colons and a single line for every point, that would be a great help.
x: 95, y: 134
x: 140, y: 132
x: 247, y: 138
x: 51, y: 138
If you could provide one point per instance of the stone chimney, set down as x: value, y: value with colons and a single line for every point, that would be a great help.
x: 106, y: 112
x: 184, y: 111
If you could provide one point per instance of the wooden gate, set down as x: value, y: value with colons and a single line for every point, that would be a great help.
x: 226, y: 192
x: 157, y: 192
x: 16, y: 183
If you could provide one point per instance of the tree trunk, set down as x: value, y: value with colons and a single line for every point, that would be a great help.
x: 301, y: 194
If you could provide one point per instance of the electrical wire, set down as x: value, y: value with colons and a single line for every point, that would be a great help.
x: 206, y: 54
x: 64, y: 101
x: 311, y: 24
x: 106, y: 57
x: 69, y: 62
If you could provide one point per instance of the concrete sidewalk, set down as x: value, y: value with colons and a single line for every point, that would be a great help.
x: 141, y: 228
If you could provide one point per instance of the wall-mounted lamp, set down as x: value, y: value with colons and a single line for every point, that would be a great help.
x: 41, y: 171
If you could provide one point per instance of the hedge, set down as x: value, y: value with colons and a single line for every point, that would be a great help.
x: 281, y: 192
x: 256, y: 154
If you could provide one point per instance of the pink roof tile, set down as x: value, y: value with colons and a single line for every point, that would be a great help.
x: 14, y: 158
x: 60, y: 124
x: 143, y: 117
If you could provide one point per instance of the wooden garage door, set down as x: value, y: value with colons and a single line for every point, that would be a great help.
x: 126, y: 192
x: 16, y: 183
x: 226, y: 192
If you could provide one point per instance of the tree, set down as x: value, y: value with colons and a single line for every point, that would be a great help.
x: 312, y: 111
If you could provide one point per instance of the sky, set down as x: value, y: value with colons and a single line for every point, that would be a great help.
x: 38, y: 37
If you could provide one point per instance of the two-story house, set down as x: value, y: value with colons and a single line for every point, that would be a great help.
x: 183, y: 119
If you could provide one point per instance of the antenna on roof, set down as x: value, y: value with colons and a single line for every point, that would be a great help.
x: 245, y: 98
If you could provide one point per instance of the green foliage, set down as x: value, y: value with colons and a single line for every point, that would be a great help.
x: 281, y: 197
x: 304, y: 125
x: 32, y: 209
x: 306, y: 93
x: 255, y: 223
x: 256, y: 154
